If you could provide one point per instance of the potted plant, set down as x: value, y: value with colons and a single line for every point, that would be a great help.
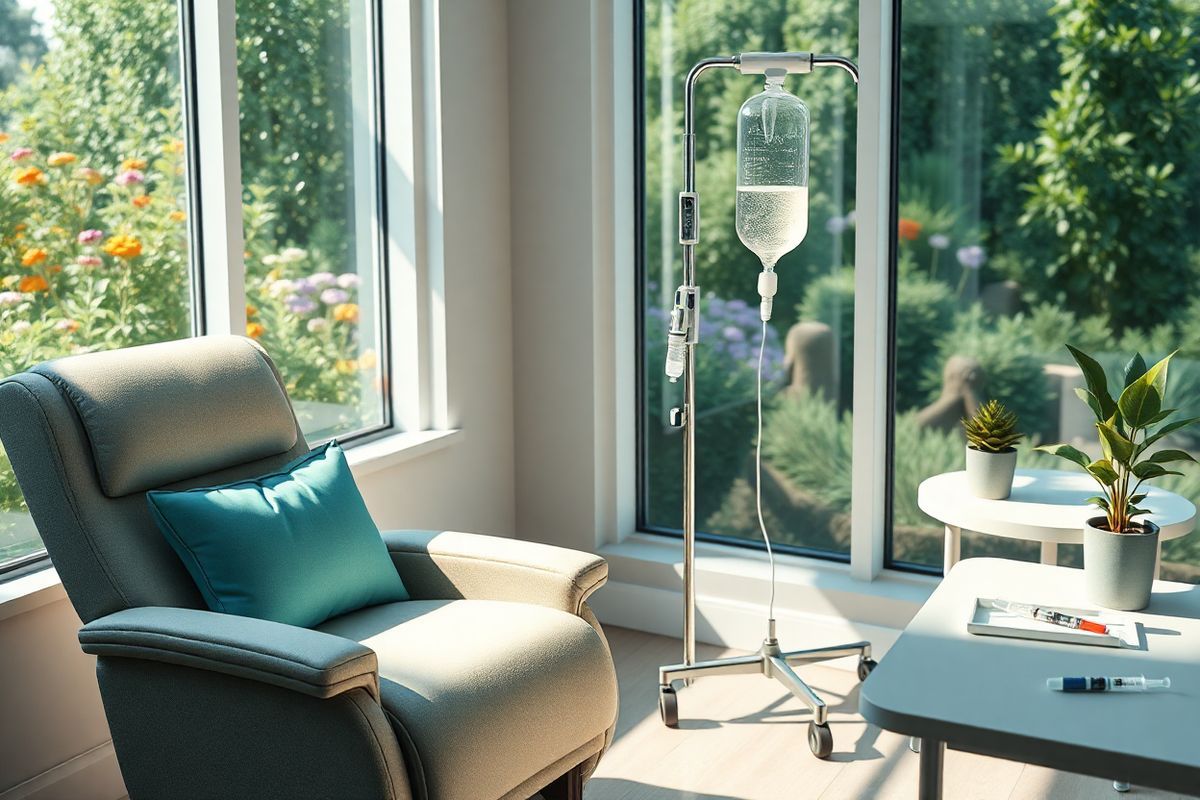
x: 991, y: 450
x: 1119, y: 552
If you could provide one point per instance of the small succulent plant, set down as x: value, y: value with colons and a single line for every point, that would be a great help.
x: 992, y: 429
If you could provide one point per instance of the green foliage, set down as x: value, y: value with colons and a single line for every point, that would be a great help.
x: 20, y: 40
x: 1128, y: 425
x: 924, y: 309
x: 1009, y: 358
x: 1111, y: 167
x: 992, y: 428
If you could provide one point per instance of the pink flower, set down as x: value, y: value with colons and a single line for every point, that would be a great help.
x: 130, y: 177
x: 89, y: 261
x: 21, y: 153
x: 90, y: 236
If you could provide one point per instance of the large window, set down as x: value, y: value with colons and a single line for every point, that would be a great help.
x: 99, y: 230
x: 807, y: 382
x: 1047, y: 164
x: 1049, y: 158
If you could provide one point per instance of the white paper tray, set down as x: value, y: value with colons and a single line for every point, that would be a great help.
x: 988, y: 621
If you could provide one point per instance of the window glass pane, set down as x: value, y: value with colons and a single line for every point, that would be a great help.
x: 1046, y: 196
x: 310, y: 191
x: 807, y: 389
x: 93, y: 211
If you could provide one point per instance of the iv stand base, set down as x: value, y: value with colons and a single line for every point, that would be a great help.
x: 772, y: 662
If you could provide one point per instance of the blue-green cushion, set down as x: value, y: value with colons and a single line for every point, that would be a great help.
x: 297, y: 546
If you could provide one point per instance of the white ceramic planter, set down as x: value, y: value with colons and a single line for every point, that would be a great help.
x: 1118, y: 568
x: 990, y: 475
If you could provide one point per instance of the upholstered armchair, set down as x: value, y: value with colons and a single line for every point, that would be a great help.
x: 493, y: 681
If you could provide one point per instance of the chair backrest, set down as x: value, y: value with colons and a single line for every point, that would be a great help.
x: 88, y: 435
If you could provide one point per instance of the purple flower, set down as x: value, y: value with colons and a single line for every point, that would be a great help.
x: 732, y: 333
x: 21, y: 153
x: 90, y: 236
x: 304, y: 286
x: 89, y: 261
x: 11, y: 298
x: 851, y: 218
x: 972, y: 256
x: 299, y: 304
x: 322, y: 279
x: 836, y: 225
x: 737, y: 304
x: 939, y: 241
x: 317, y: 325
x: 348, y: 280
x: 331, y: 297
x: 129, y: 177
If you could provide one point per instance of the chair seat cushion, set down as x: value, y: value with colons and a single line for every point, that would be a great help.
x: 484, y: 694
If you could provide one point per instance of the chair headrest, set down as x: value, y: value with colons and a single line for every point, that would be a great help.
x: 161, y: 413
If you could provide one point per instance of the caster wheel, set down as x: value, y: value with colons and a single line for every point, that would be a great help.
x: 865, y: 667
x: 668, y: 706
x: 820, y: 740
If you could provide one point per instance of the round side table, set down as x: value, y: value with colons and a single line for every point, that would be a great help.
x: 1046, y: 506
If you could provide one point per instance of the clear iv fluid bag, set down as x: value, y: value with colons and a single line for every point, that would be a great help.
x: 772, y: 172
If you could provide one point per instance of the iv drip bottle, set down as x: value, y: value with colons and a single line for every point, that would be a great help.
x: 772, y: 176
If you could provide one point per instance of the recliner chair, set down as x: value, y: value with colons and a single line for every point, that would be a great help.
x: 494, y: 681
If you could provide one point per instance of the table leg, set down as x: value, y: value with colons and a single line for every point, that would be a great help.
x: 1050, y: 553
x: 953, y: 548
x: 933, y: 753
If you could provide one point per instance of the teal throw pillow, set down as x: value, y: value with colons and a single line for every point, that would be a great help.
x: 297, y: 546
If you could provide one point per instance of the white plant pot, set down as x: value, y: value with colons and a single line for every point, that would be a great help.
x: 1118, y: 568
x: 990, y: 475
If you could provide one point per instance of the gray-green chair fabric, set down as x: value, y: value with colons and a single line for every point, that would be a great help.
x: 492, y: 682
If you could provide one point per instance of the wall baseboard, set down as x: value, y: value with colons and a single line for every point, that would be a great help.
x: 731, y: 623
x: 91, y: 775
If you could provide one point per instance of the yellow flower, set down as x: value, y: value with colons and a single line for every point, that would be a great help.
x: 57, y: 230
x: 367, y: 360
x: 250, y: 310
x: 33, y: 283
x: 346, y: 366
x: 141, y: 201
x: 177, y: 216
x: 91, y: 176
x: 133, y: 163
x: 123, y: 246
x: 34, y: 255
x: 61, y: 159
x: 346, y: 312
x: 174, y: 146
x: 254, y: 330
x: 10, y: 281
x: 29, y: 176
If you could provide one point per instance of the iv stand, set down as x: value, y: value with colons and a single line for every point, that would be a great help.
x: 771, y: 660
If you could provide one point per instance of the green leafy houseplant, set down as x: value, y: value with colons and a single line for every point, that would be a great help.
x: 1129, y: 427
x: 992, y: 428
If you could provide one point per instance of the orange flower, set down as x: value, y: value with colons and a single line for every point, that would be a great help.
x: 33, y: 283
x: 251, y: 310
x: 123, y: 246
x: 29, y: 176
x: 346, y: 312
x: 4, y: 137
x: 346, y: 366
x: 20, y: 226
x: 61, y: 159
x: 141, y: 201
x: 255, y: 330
x: 32, y: 256
x: 58, y: 230
x: 91, y: 176
x: 133, y: 163
x: 66, y: 326
x: 909, y: 229
x: 177, y: 216
x: 54, y: 269
x: 174, y: 146
x: 367, y: 360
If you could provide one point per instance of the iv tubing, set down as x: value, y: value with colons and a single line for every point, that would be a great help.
x: 762, y: 526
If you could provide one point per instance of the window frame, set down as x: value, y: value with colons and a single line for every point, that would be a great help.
x: 404, y: 119
x: 877, y: 184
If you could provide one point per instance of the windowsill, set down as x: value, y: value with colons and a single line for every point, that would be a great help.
x: 30, y: 590
x: 646, y: 564
x: 388, y: 451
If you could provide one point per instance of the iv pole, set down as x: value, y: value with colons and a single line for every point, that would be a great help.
x: 771, y: 660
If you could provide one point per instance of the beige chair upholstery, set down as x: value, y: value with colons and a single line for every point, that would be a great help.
x: 494, y: 681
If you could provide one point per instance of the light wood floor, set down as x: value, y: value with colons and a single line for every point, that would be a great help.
x: 740, y: 738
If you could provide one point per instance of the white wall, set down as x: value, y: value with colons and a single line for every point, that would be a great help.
x: 50, y: 710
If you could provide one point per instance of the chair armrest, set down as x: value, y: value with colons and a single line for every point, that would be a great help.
x: 310, y: 662
x: 450, y: 565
